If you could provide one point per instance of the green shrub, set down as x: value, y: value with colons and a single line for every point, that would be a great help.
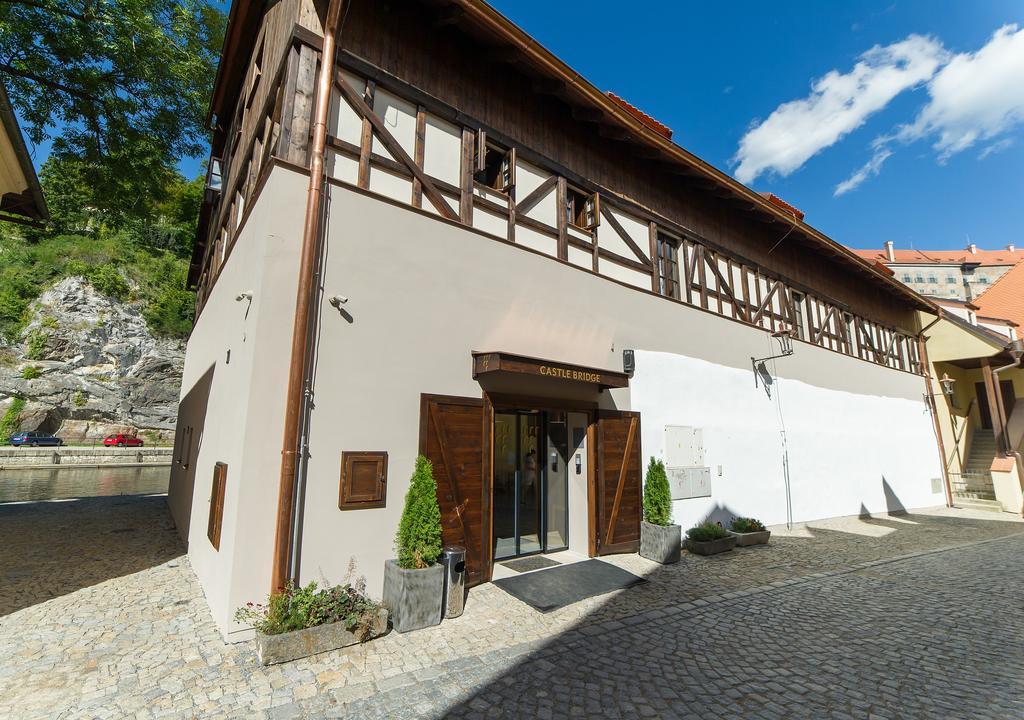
x: 706, y: 532
x: 657, y: 496
x: 419, y: 532
x: 107, y: 280
x: 79, y: 399
x: 49, y: 321
x: 296, y: 608
x: 746, y: 525
x: 30, y: 372
x: 12, y: 418
x: 35, y: 344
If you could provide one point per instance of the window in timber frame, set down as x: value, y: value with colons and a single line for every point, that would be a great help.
x: 668, y: 265
x: 582, y: 209
x: 495, y: 167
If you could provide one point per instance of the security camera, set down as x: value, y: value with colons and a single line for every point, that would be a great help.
x: 337, y: 300
x: 243, y: 296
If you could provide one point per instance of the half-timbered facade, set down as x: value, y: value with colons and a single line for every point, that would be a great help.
x: 525, y: 279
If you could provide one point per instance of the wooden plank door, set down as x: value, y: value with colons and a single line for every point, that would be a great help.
x: 452, y: 437
x: 618, y: 483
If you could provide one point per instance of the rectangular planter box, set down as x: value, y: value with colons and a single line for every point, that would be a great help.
x: 413, y: 596
x: 712, y: 547
x: 752, y: 538
x: 273, y: 649
x: 660, y: 543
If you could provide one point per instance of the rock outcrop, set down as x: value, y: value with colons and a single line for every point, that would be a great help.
x: 87, y: 366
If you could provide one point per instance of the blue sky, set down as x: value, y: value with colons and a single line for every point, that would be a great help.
x: 714, y: 71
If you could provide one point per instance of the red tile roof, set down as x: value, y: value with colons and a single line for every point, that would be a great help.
x: 1005, y: 297
x: 945, y: 257
x: 779, y: 202
x: 660, y: 128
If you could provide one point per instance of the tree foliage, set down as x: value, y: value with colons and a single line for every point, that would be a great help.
x: 657, y: 495
x: 419, y: 531
x: 121, y: 89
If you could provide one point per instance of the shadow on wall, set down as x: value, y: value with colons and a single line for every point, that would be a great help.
x: 778, y: 651
x: 187, y: 439
x: 722, y: 514
x: 52, y: 549
x: 893, y: 505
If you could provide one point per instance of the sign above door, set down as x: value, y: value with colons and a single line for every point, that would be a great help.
x: 486, y: 363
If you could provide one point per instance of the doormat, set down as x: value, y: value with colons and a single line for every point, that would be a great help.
x: 557, y: 587
x: 534, y: 562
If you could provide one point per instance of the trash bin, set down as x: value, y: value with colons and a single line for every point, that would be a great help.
x: 454, y: 581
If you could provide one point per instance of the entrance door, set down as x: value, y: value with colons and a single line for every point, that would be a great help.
x: 1006, y: 389
x: 618, y: 484
x: 530, y: 483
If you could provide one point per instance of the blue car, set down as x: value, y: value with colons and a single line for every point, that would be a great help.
x: 34, y: 439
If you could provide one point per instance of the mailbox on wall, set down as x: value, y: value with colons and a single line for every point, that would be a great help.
x: 688, y: 476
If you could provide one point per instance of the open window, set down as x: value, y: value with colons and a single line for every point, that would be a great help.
x: 495, y: 167
x: 797, y: 300
x: 582, y: 209
x: 668, y: 265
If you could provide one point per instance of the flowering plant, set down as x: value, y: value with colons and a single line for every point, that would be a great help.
x: 746, y: 525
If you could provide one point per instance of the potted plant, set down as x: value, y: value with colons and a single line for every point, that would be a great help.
x: 301, y: 621
x: 414, y: 582
x: 660, y: 540
x: 749, y: 531
x: 709, y: 538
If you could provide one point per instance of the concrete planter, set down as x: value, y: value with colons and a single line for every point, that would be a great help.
x: 273, y: 649
x: 752, y: 538
x: 413, y: 596
x: 660, y: 543
x: 712, y: 547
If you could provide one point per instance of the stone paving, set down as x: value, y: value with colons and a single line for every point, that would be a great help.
x: 101, y: 616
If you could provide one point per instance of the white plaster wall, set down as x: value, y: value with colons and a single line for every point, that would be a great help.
x: 843, y: 447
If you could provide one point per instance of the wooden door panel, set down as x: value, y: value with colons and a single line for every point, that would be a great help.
x: 452, y: 438
x: 619, y: 482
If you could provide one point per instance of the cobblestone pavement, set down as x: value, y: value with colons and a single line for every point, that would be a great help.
x: 101, y: 616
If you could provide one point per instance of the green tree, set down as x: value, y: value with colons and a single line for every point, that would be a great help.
x: 121, y: 87
x: 419, y: 531
x: 657, y: 496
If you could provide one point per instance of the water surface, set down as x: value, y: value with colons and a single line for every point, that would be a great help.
x: 28, y: 485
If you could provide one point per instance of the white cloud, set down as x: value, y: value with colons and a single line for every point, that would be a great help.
x: 975, y: 98
x: 871, y: 168
x: 838, y: 104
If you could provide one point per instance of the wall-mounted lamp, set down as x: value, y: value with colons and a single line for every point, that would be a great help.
x: 785, y: 337
x: 628, y: 362
x: 247, y: 295
x: 947, y: 384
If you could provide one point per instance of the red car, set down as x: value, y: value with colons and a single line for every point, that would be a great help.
x: 122, y: 440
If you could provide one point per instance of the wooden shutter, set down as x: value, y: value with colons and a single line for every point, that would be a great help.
x: 452, y: 438
x: 364, y: 477
x: 592, y: 212
x: 480, y: 152
x: 619, y: 483
x: 507, y: 171
x: 213, y: 527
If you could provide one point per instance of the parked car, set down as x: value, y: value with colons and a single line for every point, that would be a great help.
x: 34, y: 439
x: 122, y: 440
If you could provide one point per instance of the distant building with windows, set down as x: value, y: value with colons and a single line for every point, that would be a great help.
x: 952, y: 274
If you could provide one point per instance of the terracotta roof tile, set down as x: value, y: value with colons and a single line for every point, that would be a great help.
x: 947, y: 257
x: 1005, y: 297
x: 658, y: 127
x: 779, y: 202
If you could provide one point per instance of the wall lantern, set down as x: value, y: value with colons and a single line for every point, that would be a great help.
x: 947, y: 384
x: 785, y: 337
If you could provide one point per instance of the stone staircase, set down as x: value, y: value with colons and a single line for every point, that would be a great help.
x: 973, y: 487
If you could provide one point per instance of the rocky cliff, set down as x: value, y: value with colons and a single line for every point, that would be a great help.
x: 87, y: 365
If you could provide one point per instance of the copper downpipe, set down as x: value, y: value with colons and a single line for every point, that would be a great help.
x: 292, y: 445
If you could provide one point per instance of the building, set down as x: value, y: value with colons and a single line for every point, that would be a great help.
x: 952, y: 274
x: 523, y: 278
x: 21, y: 199
x: 1005, y: 298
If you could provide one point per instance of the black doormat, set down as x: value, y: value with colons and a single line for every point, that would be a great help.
x: 555, y: 588
x: 534, y: 562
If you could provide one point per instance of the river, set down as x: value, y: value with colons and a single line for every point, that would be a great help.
x: 74, y: 482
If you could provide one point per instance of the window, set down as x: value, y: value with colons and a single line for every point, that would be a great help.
x: 983, y: 280
x: 364, y: 477
x: 907, y: 278
x: 932, y: 280
x: 668, y: 266
x: 213, y: 527
x: 495, y: 166
x: 582, y: 209
x: 919, y: 278
x: 798, y: 313
x: 951, y: 280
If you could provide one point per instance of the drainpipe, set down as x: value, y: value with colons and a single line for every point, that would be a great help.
x: 1017, y: 352
x: 933, y: 407
x: 293, y: 449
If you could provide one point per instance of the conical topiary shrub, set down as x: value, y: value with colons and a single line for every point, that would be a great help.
x: 419, y: 533
x: 657, y: 497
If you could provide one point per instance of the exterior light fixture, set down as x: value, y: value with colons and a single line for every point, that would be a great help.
x: 947, y: 384
x: 785, y: 337
x: 628, y: 362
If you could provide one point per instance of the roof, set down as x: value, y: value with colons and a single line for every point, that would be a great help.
x: 486, y: 24
x: 21, y: 198
x: 776, y: 200
x: 1005, y: 297
x: 659, y: 127
x: 945, y: 257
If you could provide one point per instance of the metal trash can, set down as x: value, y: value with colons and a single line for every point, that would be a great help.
x: 454, y: 581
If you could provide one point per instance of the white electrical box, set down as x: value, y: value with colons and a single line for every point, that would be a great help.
x: 684, y: 446
x: 688, y: 476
